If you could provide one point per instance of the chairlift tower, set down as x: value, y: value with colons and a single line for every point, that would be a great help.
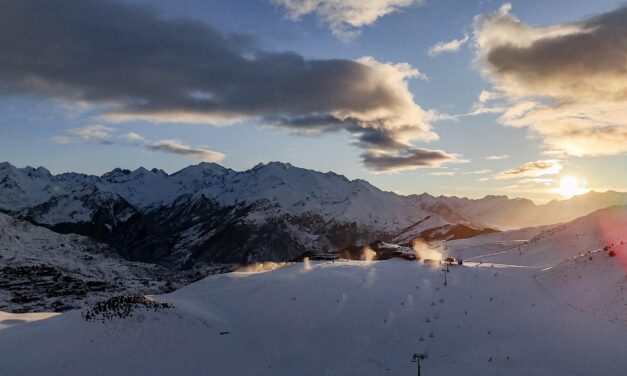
x: 445, y: 271
x: 417, y: 358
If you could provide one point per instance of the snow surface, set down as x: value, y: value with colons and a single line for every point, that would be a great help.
x: 24, y: 244
x: 557, y: 243
x: 341, y: 318
x: 491, y: 243
x: 8, y: 320
x: 593, y: 283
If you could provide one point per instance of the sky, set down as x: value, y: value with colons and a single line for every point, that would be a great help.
x: 453, y: 97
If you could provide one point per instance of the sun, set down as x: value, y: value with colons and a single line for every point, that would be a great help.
x: 571, y: 186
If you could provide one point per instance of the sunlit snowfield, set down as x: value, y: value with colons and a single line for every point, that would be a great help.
x: 344, y: 318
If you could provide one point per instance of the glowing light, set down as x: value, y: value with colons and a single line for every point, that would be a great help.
x: 571, y: 186
x: 368, y: 254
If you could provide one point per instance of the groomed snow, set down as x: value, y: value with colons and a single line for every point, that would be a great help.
x: 342, y: 318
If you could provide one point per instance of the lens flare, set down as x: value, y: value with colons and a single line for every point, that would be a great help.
x: 571, y: 186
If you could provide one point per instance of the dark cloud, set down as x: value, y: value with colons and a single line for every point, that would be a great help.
x: 532, y: 169
x: 134, y: 64
x: 310, y: 123
x: 568, y: 81
x: 555, y: 61
x: 408, y: 159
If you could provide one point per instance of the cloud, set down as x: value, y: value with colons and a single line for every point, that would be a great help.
x: 565, y: 82
x: 409, y: 159
x: 447, y: 47
x: 487, y: 95
x: 532, y: 170
x: 132, y: 64
x: 344, y: 17
x: 89, y: 133
x: 478, y: 172
x: 177, y: 147
x: 443, y: 173
x: 97, y: 132
x: 529, y: 184
x: 536, y: 181
x: 497, y: 157
x: 104, y: 135
x: 133, y: 137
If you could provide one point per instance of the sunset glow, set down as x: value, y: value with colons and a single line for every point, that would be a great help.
x: 571, y: 186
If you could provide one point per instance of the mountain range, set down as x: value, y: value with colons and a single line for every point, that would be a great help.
x: 271, y: 212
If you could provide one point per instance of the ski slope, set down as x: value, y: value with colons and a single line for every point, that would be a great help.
x: 554, y: 244
x: 323, y: 318
x: 593, y: 283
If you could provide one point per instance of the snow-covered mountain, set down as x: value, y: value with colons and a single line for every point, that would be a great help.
x: 274, y: 211
x: 206, y: 212
x: 44, y: 270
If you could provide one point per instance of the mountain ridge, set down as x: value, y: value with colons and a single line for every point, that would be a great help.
x: 273, y: 211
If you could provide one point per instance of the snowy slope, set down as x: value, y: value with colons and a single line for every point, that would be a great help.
x: 594, y: 283
x: 150, y: 189
x: 342, y: 318
x: 80, y: 205
x: 406, y: 235
x: 487, y: 244
x: 79, y: 270
x: 26, y: 187
x: 589, y: 233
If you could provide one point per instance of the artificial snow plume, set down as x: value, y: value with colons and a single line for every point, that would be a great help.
x: 367, y: 254
x: 306, y: 264
x: 428, y: 251
x: 261, y: 267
